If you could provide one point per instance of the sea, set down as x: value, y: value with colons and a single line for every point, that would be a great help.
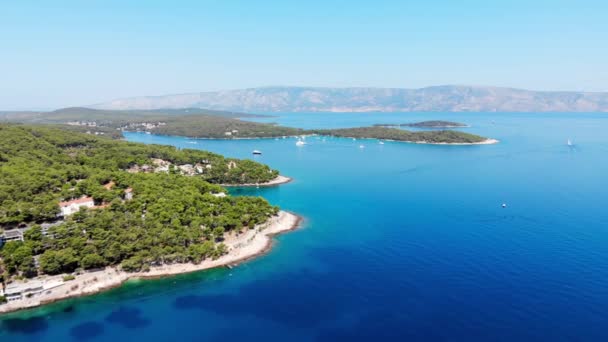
x: 399, y: 242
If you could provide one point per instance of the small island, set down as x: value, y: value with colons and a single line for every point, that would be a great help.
x: 80, y: 213
x: 427, y: 124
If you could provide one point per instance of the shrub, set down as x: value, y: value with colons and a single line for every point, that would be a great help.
x: 68, y: 277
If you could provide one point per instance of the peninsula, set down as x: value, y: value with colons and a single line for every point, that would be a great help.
x: 192, y: 123
x: 81, y: 213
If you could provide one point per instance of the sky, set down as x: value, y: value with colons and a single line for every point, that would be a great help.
x: 55, y: 54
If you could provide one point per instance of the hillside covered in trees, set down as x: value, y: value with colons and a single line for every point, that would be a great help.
x: 377, y: 132
x: 170, y: 217
x: 190, y: 122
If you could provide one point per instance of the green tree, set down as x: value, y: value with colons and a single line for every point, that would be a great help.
x: 92, y: 261
x: 218, y: 233
x: 133, y: 264
x: 55, y: 262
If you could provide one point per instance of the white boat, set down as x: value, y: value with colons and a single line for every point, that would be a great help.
x: 300, y: 143
x: 361, y: 146
x: 569, y: 142
x: 381, y: 143
x: 257, y: 152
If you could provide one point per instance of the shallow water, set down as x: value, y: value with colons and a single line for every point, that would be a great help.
x: 399, y: 241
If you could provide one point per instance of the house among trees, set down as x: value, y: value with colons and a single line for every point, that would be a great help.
x: 128, y: 194
x: 70, y: 207
x: 12, y: 235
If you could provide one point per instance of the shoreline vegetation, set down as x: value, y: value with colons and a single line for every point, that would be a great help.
x: 428, y: 124
x: 240, y: 248
x: 484, y: 142
x: 202, y: 124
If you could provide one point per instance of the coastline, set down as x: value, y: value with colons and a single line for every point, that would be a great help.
x: 488, y: 141
x: 425, y: 127
x: 277, y: 181
x: 242, y: 247
x: 485, y: 142
x: 220, y: 138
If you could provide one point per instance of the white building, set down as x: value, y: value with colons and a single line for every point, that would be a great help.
x: 12, y: 235
x: 16, y: 291
x: 70, y: 207
x: 128, y: 194
x: 20, y: 290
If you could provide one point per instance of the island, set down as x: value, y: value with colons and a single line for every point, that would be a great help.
x: 444, y: 137
x: 202, y: 124
x: 81, y: 213
x: 427, y: 124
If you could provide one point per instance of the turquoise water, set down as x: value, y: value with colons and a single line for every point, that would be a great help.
x: 400, y: 241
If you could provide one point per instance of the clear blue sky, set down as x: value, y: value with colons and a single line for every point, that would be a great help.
x: 63, y: 53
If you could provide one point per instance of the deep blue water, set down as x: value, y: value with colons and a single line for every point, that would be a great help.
x: 400, y: 242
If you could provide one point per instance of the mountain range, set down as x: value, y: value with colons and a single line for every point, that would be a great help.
x: 448, y: 98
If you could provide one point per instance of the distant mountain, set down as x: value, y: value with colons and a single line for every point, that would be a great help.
x: 432, y: 99
x: 82, y: 113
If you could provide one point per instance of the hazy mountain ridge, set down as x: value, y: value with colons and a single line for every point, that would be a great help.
x: 314, y: 99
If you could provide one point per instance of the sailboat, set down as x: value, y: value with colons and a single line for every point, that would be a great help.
x: 569, y: 142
